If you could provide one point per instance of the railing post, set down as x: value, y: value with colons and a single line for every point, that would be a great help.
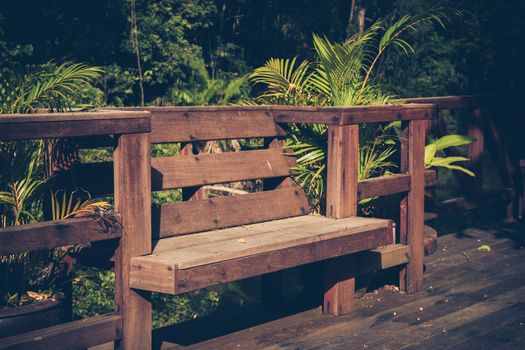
x: 132, y: 174
x: 341, y: 202
x: 476, y: 149
x: 412, y: 207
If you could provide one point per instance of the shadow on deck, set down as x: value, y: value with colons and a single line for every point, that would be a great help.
x: 472, y: 299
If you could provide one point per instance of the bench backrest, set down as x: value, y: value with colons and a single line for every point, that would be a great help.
x: 276, y: 199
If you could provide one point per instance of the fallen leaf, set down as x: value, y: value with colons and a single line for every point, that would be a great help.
x: 484, y: 248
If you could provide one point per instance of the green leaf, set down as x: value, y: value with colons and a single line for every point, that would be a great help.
x: 430, y: 153
x: 452, y: 141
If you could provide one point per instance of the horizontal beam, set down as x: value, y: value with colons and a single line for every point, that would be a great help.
x: 187, y: 124
x: 51, y: 234
x: 55, y: 125
x: 465, y: 101
x: 390, y: 184
x: 383, y: 258
x: 167, y: 121
x: 353, y: 115
x: 383, y: 186
x: 79, y: 334
x: 207, y: 169
x: 174, y: 219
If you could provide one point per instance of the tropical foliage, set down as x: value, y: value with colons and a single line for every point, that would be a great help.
x: 50, y: 86
x: 339, y: 75
x: 432, y: 149
x: 23, y: 177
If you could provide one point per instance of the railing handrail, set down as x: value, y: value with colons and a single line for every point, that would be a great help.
x: 72, y: 124
x: 463, y: 101
x: 314, y: 115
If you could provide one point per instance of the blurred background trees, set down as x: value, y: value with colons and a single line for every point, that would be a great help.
x: 191, y: 51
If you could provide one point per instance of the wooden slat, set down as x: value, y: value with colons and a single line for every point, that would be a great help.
x: 191, y: 170
x: 79, y: 334
x: 382, y: 186
x: 51, y: 234
x: 249, y: 252
x: 185, y: 124
x: 132, y: 159
x: 467, y: 101
x: 205, y: 169
x: 447, y: 102
x: 353, y: 115
x: 215, y: 213
x: 383, y: 258
x: 56, y: 125
x: 197, y: 239
x: 391, y: 184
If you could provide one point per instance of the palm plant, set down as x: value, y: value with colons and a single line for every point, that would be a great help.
x: 48, y: 86
x: 22, y: 175
x: 339, y: 75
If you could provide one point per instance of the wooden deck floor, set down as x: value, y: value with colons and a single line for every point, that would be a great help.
x: 472, y: 300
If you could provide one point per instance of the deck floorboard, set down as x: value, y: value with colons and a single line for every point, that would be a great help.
x: 472, y: 300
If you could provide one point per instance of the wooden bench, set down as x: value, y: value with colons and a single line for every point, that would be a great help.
x: 204, y: 242
x: 201, y: 242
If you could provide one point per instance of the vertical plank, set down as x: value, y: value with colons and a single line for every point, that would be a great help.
x: 403, y: 213
x: 343, y: 152
x: 476, y: 149
x: 132, y: 173
x: 415, y: 206
x: 341, y: 202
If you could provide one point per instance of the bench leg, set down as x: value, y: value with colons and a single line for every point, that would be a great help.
x: 339, y: 285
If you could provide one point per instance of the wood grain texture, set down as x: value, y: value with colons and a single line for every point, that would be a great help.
x: 192, y: 170
x: 384, y: 258
x: 132, y: 159
x: 403, y: 205
x: 56, y: 125
x: 185, y: 124
x: 221, y: 212
x: 382, y: 186
x: 353, y: 115
x: 341, y: 191
x: 415, y: 206
x: 51, y: 234
x: 226, y: 255
x: 205, y: 169
x: 341, y: 202
x: 79, y: 334
x: 339, y: 285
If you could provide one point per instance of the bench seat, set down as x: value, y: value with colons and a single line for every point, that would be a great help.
x: 184, y: 263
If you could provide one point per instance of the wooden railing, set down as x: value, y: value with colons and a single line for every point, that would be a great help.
x: 132, y: 131
x: 496, y: 122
